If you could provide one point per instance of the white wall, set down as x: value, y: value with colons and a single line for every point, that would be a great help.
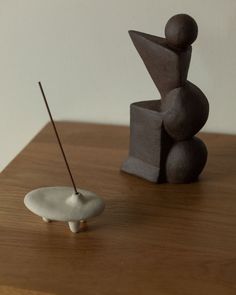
x: 81, y: 52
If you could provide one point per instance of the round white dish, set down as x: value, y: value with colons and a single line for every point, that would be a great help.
x: 62, y: 204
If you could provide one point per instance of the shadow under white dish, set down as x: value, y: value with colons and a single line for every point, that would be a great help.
x: 62, y: 204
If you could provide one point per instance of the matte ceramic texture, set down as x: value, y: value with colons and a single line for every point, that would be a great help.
x: 186, y: 160
x: 162, y: 147
x: 181, y: 31
x: 62, y: 204
x: 146, y: 137
x: 185, y: 110
x: 168, y: 68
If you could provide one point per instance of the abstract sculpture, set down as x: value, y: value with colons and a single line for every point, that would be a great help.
x: 162, y: 142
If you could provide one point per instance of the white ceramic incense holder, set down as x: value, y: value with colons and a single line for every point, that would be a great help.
x: 62, y: 204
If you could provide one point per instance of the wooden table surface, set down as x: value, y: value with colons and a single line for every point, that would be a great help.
x: 151, y: 239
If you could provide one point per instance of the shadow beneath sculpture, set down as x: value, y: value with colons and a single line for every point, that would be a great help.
x: 163, y: 147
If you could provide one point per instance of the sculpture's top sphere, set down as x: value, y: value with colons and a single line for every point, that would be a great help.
x: 181, y: 31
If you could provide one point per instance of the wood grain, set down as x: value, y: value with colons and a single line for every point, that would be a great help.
x: 151, y: 239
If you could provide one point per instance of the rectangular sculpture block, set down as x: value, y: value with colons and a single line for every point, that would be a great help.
x: 147, y: 136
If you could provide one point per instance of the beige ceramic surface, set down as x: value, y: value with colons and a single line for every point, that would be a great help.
x: 61, y: 204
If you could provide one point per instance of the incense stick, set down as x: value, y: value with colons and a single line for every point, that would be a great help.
x: 58, y: 139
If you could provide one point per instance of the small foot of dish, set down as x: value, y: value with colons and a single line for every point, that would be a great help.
x: 46, y: 219
x: 74, y: 226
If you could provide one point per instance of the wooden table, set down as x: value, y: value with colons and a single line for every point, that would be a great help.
x: 151, y: 239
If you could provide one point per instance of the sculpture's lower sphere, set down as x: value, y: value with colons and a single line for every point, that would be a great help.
x: 186, y: 161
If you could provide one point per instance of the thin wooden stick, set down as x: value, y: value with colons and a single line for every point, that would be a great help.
x: 58, y: 138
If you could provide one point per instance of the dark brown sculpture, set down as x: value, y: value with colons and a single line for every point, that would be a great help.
x: 162, y: 142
